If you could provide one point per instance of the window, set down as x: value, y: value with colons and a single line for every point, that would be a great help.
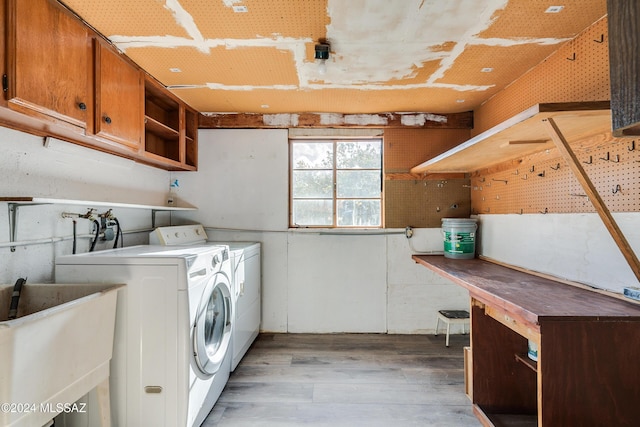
x: 336, y: 183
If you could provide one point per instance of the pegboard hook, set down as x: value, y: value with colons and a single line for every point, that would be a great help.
x: 546, y: 211
x: 606, y: 158
x: 556, y: 168
x: 573, y: 57
x: 601, y: 39
x: 617, y: 189
x: 590, y: 160
x: 632, y: 147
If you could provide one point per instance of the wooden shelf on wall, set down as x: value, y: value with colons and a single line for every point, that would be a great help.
x: 521, y: 135
x: 28, y: 200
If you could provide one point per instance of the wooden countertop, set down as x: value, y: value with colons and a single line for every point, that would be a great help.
x: 532, y: 297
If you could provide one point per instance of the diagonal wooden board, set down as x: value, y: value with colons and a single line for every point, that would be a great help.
x: 601, y: 208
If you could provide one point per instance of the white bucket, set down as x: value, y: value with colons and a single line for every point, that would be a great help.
x: 459, y: 235
x: 532, y: 350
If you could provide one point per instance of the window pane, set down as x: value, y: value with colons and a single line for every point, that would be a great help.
x: 358, y: 213
x: 358, y: 154
x: 312, y: 212
x: 357, y: 183
x: 312, y: 184
x: 312, y: 155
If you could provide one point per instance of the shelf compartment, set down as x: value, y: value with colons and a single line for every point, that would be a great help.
x: 522, y: 135
x: 531, y: 364
x: 504, y: 420
x: 159, y: 129
x: 191, y: 143
x: 161, y: 107
x: 162, y: 123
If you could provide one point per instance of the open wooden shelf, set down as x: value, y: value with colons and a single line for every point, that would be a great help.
x: 521, y: 135
x: 28, y: 200
x: 160, y: 129
x: 500, y: 420
x: 531, y: 364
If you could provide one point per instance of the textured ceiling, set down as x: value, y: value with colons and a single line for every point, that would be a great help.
x: 386, y: 56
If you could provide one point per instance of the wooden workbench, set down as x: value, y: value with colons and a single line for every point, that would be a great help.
x: 588, y: 368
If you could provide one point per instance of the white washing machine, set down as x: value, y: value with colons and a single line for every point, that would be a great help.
x: 173, y: 329
x: 246, y: 282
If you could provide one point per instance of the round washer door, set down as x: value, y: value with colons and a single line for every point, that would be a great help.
x: 212, y: 326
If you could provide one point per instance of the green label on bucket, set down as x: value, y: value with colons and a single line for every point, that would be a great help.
x: 457, y: 242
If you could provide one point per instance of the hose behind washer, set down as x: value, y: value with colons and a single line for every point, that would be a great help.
x: 95, y: 239
x: 15, y: 298
x: 118, y: 233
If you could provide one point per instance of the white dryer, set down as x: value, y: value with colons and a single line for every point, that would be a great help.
x: 247, y: 285
x: 173, y: 329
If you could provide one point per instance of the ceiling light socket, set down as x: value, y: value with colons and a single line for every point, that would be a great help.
x: 321, y: 56
x: 322, y: 51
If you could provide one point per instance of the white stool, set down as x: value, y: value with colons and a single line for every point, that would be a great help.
x: 452, y: 316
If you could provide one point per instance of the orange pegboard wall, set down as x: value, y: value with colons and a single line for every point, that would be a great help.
x: 406, y: 148
x: 543, y: 182
x: 578, y: 71
x: 421, y: 202
x: 424, y: 203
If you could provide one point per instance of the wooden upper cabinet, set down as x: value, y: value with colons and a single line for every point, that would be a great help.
x: 49, y: 70
x: 62, y: 79
x: 624, y: 66
x: 119, y: 97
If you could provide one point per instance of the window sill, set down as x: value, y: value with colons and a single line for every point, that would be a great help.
x: 346, y: 231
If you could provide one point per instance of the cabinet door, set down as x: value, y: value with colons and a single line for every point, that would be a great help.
x: 624, y: 66
x: 119, y: 94
x: 49, y: 62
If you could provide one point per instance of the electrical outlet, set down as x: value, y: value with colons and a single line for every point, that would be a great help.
x: 632, y: 292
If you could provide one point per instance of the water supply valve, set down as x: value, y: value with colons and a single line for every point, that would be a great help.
x: 408, y: 232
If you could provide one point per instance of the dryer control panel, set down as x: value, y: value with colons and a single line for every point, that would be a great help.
x: 178, y: 235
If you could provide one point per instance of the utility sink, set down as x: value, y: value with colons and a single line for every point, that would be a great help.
x: 55, y: 351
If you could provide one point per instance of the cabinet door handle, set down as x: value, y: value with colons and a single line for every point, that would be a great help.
x: 107, y: 120
x: 82, y: 106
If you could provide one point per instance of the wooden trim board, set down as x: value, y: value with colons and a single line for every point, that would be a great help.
x: 601, y: 208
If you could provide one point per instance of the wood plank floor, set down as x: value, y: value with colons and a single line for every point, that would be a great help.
x: 347, y: 380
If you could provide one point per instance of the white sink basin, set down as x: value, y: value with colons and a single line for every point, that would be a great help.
x: 56, y: 351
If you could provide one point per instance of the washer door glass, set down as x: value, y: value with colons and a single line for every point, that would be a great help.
x: 213, y: 325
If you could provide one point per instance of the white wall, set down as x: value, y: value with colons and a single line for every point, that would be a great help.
x: 576, y: 247
x: 415, y: 293
x: 312, y: 282
x: 67, y: 171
